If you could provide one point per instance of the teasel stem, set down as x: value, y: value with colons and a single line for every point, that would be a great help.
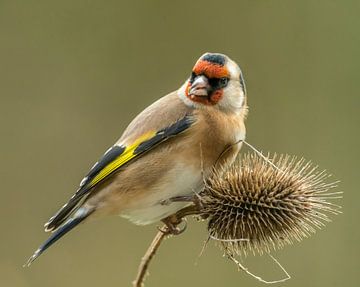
x: 149, y: 255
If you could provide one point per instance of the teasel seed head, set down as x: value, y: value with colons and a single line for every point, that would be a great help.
x: 255, y: 206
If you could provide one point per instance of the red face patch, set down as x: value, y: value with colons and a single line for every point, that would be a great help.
x: 210, y: 70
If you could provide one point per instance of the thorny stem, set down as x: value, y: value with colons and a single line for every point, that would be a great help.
x: 170, y: 228
x: 145, y: 261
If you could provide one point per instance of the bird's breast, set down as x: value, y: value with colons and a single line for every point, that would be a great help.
x: 154, y: 203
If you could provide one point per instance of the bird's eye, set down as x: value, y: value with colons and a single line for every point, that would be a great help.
x: 224, y: 82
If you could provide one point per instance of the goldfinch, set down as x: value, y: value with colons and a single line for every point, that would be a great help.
x: 164, y: 153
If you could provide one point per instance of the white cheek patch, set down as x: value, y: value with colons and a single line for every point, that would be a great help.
x: 233, y: 99
x: 233, y: 70
x: 241, y: 98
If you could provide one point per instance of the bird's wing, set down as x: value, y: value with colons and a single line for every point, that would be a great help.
x: 115, y: 158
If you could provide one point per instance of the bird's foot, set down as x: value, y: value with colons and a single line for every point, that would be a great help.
x: 172, y: 223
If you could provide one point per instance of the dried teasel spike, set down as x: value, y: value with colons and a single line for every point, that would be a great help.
x: 255, y: 206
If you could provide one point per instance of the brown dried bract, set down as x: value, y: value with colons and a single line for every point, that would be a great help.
x: 255, y: 207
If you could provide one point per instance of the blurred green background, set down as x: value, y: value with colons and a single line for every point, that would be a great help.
x: 74, y: 73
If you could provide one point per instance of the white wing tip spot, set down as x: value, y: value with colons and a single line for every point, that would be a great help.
x: 83, y: 182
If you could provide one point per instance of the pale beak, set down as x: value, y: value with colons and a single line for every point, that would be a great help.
x: 200, y: 87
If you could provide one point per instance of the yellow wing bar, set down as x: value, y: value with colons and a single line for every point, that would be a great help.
x: 125, y: 157
x: 117, y: 156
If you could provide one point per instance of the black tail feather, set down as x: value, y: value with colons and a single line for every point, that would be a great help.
x: 60, y: 232
x: 63, y: 214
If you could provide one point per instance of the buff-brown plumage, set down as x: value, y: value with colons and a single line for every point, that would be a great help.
x: 137, y: 190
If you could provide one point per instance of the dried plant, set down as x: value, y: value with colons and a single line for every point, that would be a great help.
x: 254, y: 206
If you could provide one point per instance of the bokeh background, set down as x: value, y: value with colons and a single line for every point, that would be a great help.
x: 74, y: 73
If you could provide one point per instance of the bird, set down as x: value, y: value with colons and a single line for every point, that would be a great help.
x: 164, y: 153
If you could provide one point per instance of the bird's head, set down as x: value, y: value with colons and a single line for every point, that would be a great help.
x: 216, y: 80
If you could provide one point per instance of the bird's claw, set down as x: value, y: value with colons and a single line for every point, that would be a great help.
x: 172, y: 225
